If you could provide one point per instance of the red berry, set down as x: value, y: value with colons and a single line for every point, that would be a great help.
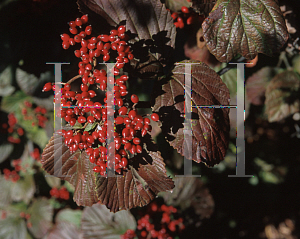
x: 155, y: 117
x: 134, y: 98
x: 121, y: 29
x: 84, y: 19
x: 65, y: 37
x: 81, y: 119
x: 106, y: 57
x: 184, y: 9
x: 88, y: 30
x: 73, y: 30
x: 136, y: 141
x: 78, y: 22
x: 123, y: 110
x: 47, y: 87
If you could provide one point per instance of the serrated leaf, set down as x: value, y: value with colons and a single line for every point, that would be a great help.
x: 138, y: 186
x: 99, y: 222
x: 5, y: 82
x: 64, y: 230
x: 244, y: 27
x: 210, y: 126
x: 5, y: 151
x: 41, y: 212
x: 23, y: 189
x: 13, y: 227
x: 27, y: 82
x: 76, y: 169
x: 69, y: 215
x: 282, y: 96
x: 203, y: 6
x: 145, y: 18
x: 256, y: 84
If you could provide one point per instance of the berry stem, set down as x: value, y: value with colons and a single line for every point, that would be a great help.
x: 73, y: 79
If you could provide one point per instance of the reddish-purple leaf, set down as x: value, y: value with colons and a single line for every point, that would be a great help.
x: 210, y: 126
x: 138, y: 186
x: 76, y: 169
x: 244, y: 27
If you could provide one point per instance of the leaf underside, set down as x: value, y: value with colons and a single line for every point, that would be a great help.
x: 210, y: 126
x: 282, y: 96
x: 137, y: 187
x: 244, y: 27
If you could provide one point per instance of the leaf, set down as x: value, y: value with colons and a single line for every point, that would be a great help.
x: 5, y: 186
x: 282, y: 96
x: 138, y: 186
x: 203, y: 6
x: 256, y: 84
x: 23, y: 189
x: 52, y: 181
x: 5, y: 151
x: 29, y: 83
x: 41, y: 213
x: 69, y: 215
x: 13, y: 227
x: 76, y: 169
x: 244, y: 27
x: 64, y: 230
x: 175, y: 5
x: 90, y: 126
x: 145, y: 18
x: 5, y: 82
x: 12, y: 103
x: 47, y: 103
x: 98, y: 222
x: 190, y: 192
x: 210, y: 126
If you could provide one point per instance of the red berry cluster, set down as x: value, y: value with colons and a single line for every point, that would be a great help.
x: 61, y: 193
x: 39, y: 114
x: 11, y: 175
x: 168, y: 225
x: 36, y: 154
x: 185, y: 16
x: 129, y: 234
x: 129, y: 125
x: 27, y: 217
x: 11, y: 128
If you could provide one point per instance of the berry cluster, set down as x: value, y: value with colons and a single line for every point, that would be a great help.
x: 185, y: 16
x: 11, y: 175
x: 82, y: 108
x: 36, y: 154
x: 39, y: 113
x: 61, y: 193
x: 129, y: 234
x: 13, y: 131
x: 168, y: 225
x: 27, y: 217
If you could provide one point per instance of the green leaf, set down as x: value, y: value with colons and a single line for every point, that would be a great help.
x: 210, y: 126
x: 282, y: 96
x: 13, y: 102
x: 244, y: 27
x: 13, y: 227
x: 5, y: 151
x: 39, y: 137
x: 90, y: 126
x: 64, y: 230
x: 52, y: 181
x: 99, y: 222
x: 5, y: 82
x: 76, y: 169
x: 5, y: 186
x: 69, y: 215
x: 23, y: 189
x: 41, y: 213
